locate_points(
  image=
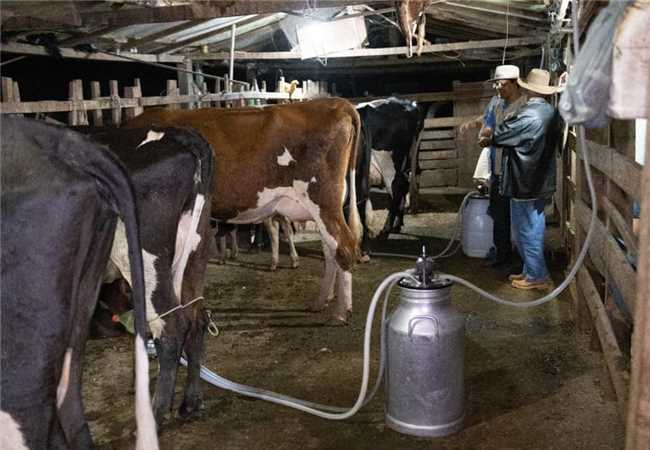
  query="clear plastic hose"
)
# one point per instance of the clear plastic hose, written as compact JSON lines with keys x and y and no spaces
{"x":324,"y":411}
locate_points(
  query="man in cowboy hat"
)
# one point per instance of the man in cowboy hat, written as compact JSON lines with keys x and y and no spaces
{"x":506,"y":103}
{"x":529,"y":139}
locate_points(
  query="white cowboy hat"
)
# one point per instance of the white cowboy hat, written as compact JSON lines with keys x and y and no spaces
{"x":538,"y":80}
{"x":505,"y":72}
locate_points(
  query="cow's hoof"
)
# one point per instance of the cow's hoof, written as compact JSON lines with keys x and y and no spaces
{"x":295,"y":264}
{"x":273,"y":268}
{"x":364,"y":259}
{"x":337,"y":321}
{"x":189,"y":408}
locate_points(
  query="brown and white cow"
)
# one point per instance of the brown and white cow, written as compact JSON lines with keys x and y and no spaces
{"x":287,"y":159}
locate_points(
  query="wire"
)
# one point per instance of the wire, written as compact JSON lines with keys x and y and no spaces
{"x":503,"y":58}
{"x":18,"y":58}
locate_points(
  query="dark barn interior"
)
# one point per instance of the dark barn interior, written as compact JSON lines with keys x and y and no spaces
{"x":571,"y":373}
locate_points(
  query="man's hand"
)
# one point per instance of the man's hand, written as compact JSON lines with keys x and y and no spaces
{"x":474,"y":123}
{"x":484,"y":136}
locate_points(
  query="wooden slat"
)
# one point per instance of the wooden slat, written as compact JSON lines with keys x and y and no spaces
{"x":619,"y":168}
{"x":438,"y":177}
{"x":442,"y":154}
{"x":439,"y":164}
{"x":430,"y":96}
{"x":442,"y":122}
{"x":607,"y":256}
{"x":447,"y":190}
{"x":437,"y":134}
{"x":621,"y":225}
{"x":438,"y":144}
{"x":614,"y":358}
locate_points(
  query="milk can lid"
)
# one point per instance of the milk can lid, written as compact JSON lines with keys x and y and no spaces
{"x":433,"y":284}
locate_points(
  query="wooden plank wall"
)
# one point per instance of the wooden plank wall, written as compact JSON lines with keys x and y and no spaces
{"x":446,"y":157}
{"x":605,"y":292}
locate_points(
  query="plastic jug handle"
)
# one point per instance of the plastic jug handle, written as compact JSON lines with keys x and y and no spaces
{"x":415,"y":319}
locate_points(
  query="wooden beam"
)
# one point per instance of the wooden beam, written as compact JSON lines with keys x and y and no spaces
{"x":208,"y":10}
{"x":374,"y":52}
{"x":28,"y":49}
{"x":50,"y":106}
{"x":614,"y":359}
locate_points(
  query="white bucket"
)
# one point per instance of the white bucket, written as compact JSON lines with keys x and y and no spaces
{"x":476,"y":238}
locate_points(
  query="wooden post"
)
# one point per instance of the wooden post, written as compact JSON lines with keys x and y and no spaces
{"x":638,"y":419}
{"x":116,"y":110}
{"x":129,"y":113}
{"x":95,"y":93}
{"x":16,"y":98}
{"x":204,"y":89}
{"x":185,"y":82}
{"x":172,"y":90}
{"x":218,"y":88}
{"x":75,"y":92}
{"x":137,"y":94}
{"x":7,"y":89}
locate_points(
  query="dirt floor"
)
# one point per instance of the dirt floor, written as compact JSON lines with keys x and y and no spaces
{"x":532,"y":381}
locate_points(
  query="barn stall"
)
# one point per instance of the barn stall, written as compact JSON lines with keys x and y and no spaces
{"x":562,"y":375}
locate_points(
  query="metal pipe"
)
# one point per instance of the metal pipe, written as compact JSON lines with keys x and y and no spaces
{"x":231,"y":68}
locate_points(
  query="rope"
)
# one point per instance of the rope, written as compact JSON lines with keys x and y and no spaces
{"x":160,"y":316}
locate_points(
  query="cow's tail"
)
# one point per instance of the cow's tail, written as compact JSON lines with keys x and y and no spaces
{"x":114,"y":181}
{"x":354,"y":220}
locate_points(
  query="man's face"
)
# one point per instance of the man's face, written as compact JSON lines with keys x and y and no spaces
{"x":507,"y":89}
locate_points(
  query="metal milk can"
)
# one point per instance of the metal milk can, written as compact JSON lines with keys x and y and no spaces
{"x":425,"y":353}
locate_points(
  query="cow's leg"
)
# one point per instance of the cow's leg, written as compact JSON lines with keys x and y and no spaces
{"x":168,"y":349}
{"x":328,"y":280}
{"x":193,"y":284}
{"x":221,"y":245}
{"x":400,"y":187}
{"x":272,"y":228}
{"x":343,"y":305}
{"x":193,"y":347}
{"x":234,"y":254}
{"x":285,"y":223}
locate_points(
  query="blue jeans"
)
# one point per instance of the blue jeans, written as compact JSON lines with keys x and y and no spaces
{"x":528,"y":225}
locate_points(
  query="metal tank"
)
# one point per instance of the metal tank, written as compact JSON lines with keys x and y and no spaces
{"x":425,"y":353}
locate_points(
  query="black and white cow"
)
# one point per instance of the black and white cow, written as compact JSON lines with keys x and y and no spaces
{"x":61,"y":196}
{"x":171,"y":169}
{"x":389,"y":125}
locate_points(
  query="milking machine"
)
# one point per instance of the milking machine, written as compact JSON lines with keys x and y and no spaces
{"x":421,"y":343}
